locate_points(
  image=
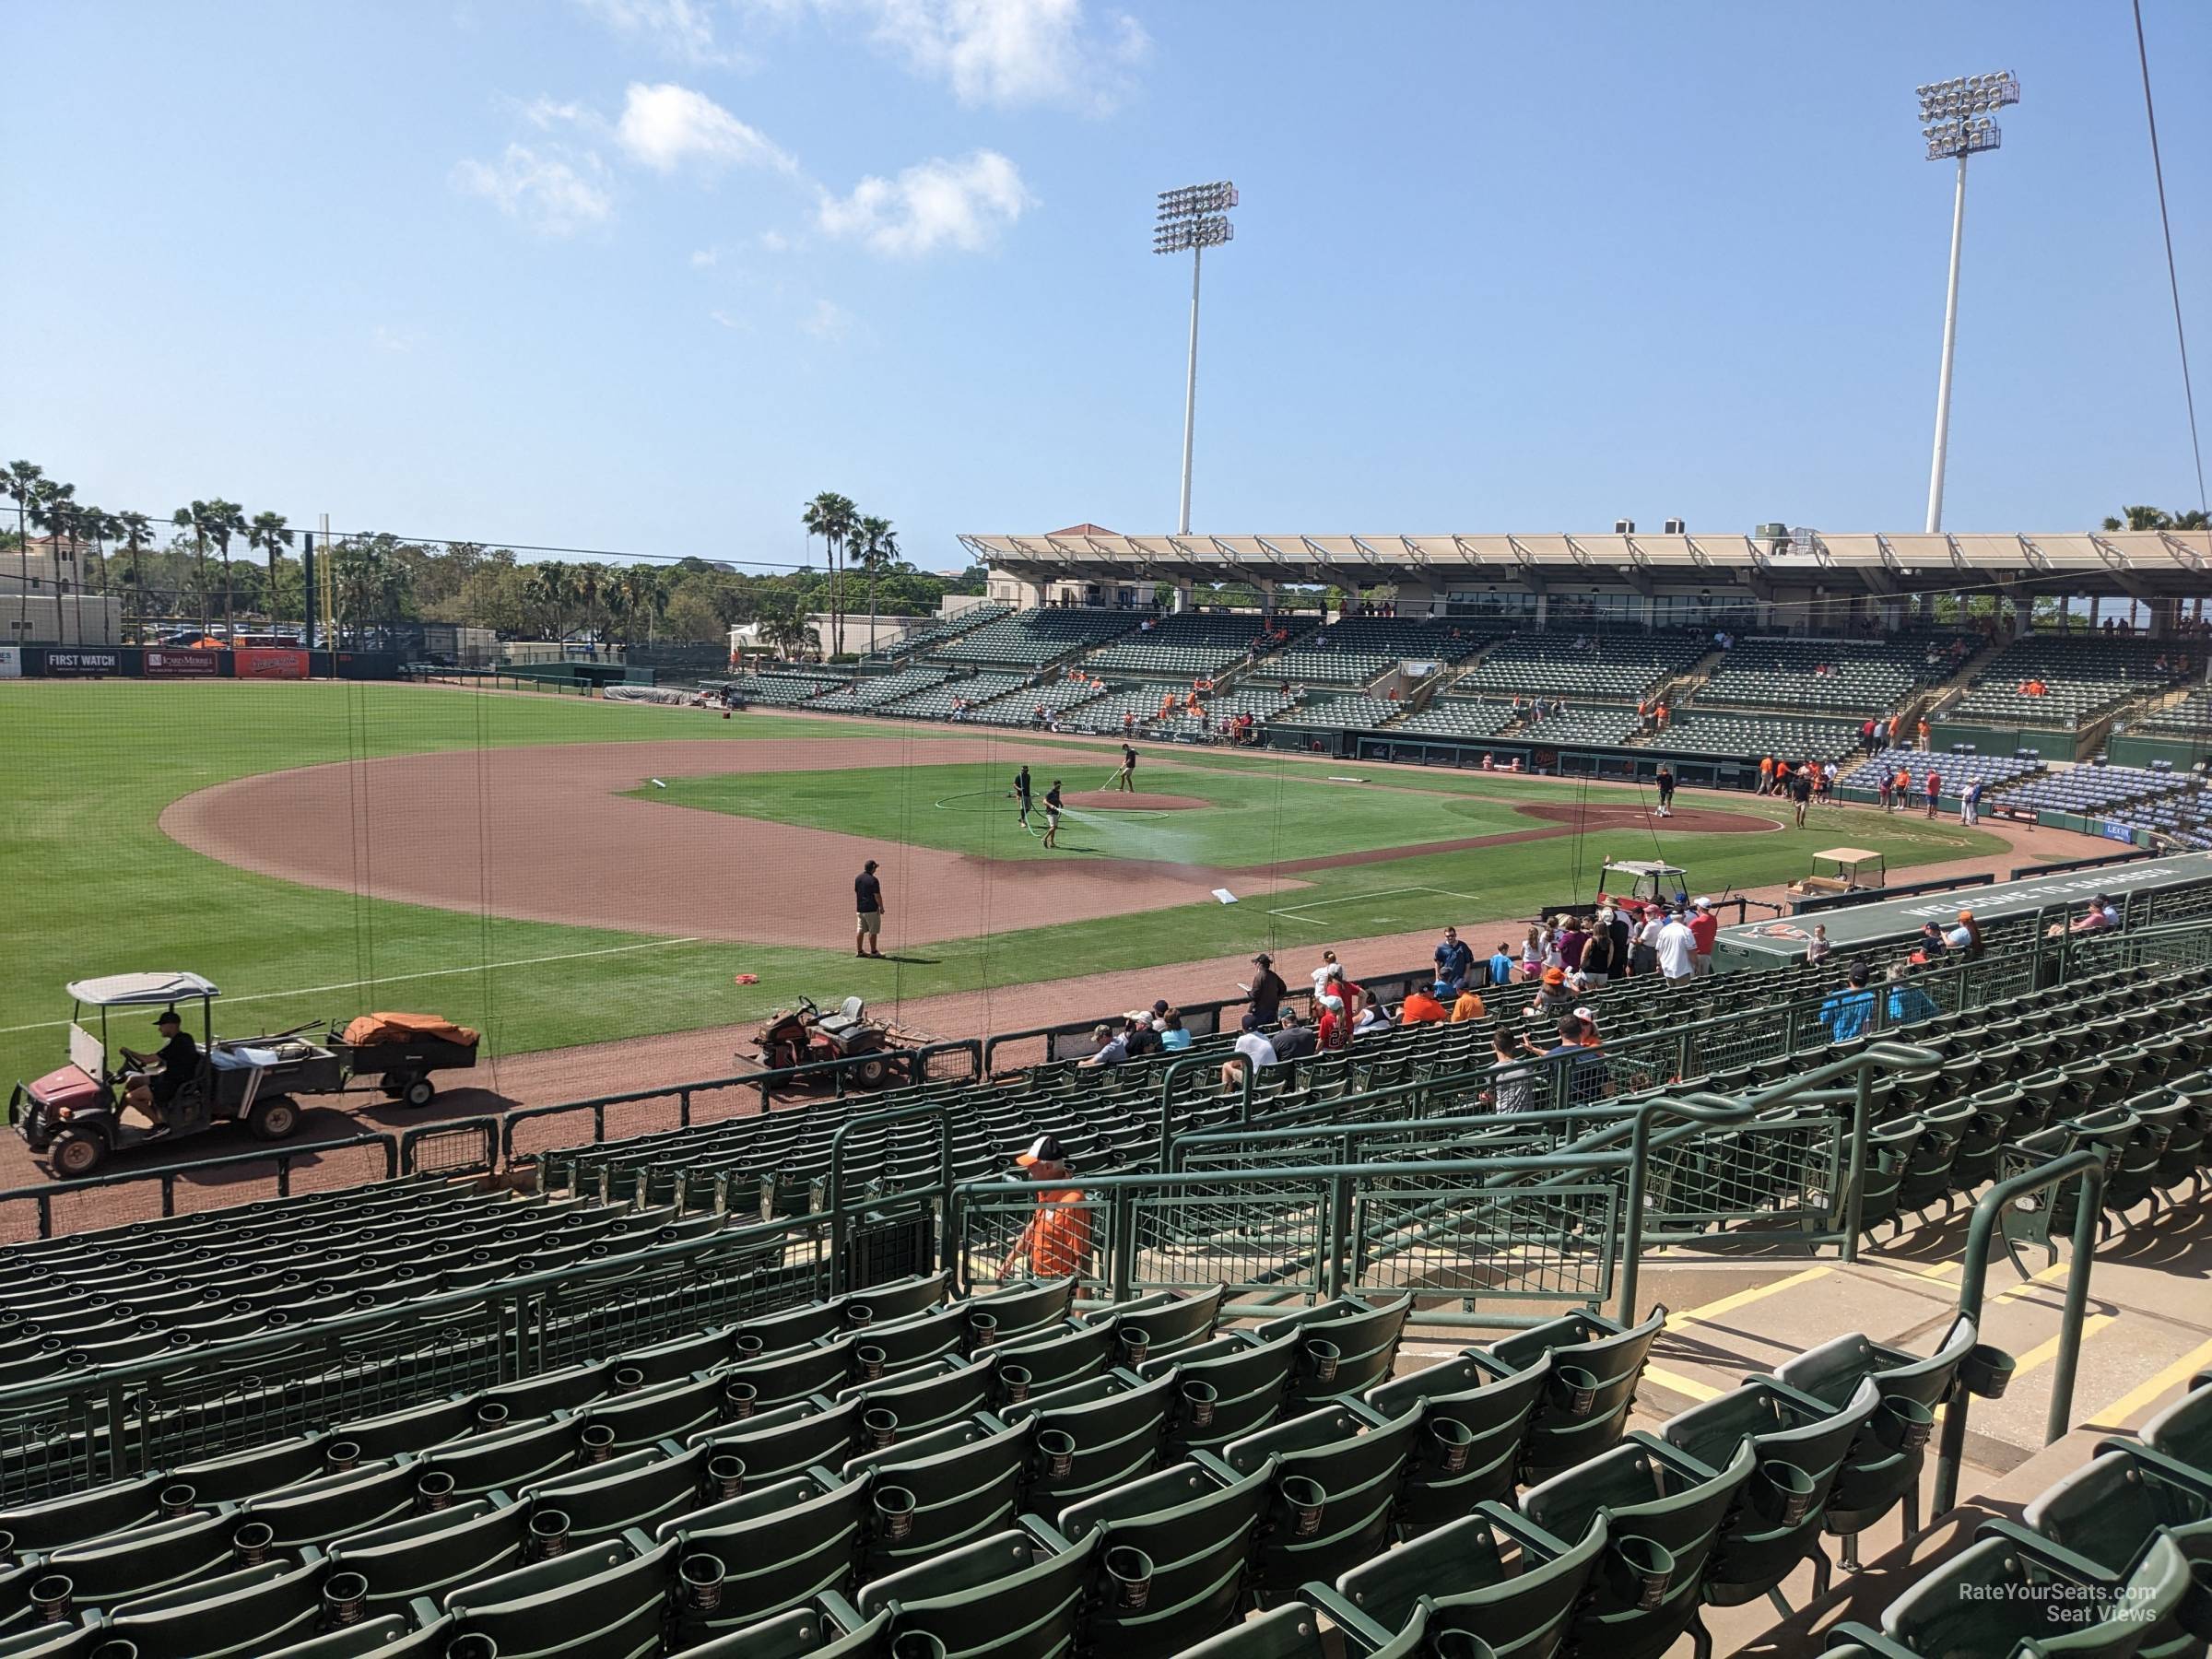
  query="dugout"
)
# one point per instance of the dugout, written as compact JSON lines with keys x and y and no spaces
{"x":2149,"y":891}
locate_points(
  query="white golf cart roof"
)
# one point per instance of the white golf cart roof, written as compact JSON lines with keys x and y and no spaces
{"x":1643,"y":866}
{"x":140,"y":990}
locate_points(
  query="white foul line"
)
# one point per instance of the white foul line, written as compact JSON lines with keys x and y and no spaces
{"x":1292,"y":910}
{"x":393,"y":979}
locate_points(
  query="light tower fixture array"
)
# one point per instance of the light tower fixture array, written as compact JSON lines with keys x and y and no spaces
{"x":1958,"y":116}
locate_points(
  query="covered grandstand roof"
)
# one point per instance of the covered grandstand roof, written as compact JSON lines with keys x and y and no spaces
{"x":2136,"y":564}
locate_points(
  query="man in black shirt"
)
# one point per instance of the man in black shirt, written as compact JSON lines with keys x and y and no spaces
{"x":179,"y":1062}
{"x":1021,"y":796}
{"x":868,"y":906}
{"x":1268,"y":989}
{"x":1126,"y":777}
{"x":1294,"y":1041}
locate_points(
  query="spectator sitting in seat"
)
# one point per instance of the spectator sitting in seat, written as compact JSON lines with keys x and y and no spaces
{"x":1252,"y":1050}
{"x":1371,"y":1015}
{"x":1173,"y":1038}
{"x":1511,"y":1085}
{"x":1555,"y":998}
{"x":1424,"y":1005}
{"x":1467,"y":1005}
{"x":1907,"y":1003}
{"x":1295,"y":1040}
{"x":1114,"y":1045}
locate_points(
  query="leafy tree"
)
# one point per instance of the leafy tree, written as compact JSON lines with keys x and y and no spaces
{"x":877,"y":545}
{"x":268,"y":534}
{"x":19,"y":483}
{"x":216,"y":521}
{"x":131,"y":528}
{"x":2154,"y":518}
{"x":54,"y":509}
{"x":832,"y":517}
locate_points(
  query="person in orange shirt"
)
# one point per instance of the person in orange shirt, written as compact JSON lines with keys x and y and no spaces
{"x":1466,"y":1007}
{"x":1424,"y":1005}
{"x":1766,"y":774}
{"x":1902,"y":784}
{"x":1922,"y":731}
{"x":1058,"y":1239}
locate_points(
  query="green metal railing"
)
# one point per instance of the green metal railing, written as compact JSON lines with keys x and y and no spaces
{"x":281,"y":1161}
{"x":2087,"y":1165}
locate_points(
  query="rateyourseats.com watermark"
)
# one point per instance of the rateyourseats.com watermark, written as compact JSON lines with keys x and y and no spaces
{"x":2073,"y":1604}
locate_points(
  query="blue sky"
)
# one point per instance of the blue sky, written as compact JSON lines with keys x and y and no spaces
{"x":644,"y":274}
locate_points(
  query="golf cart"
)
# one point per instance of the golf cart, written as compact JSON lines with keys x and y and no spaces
{"x":1643,"y":881}
{"x":75,"y":1114}
{"x":1842,"y":870}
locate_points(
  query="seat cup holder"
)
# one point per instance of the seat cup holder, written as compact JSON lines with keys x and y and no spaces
{"x":894,"y":1513}
{"x":345,"y":1599}
{"x":1640,"y":1569}
{"x":1136,"y":1342}
{"x":51,"y":1599}
{"x":870,"y":1360}
{"x":916,"y":1645}
{"x":725,"y":1474}
{"x":1987,"y":1371}
{"x":701,"y":1576}
{"x":116,"y":1648}
{"x":434,"y":1491}
{"x":492,"y":1414}
{"x":1576,"y":1389}
{"x":1056,"y":1447}
{"x":1322,"y":1361}
{"x":548,"y":1535}
{"x":859,"y":1313}
{"x":1902,"y":1423}
{"x":342,"y":1455}
{"x":1450,"y":1444}
{"x":596,"y":1443}
{"x":253,"y":1542}
{"x":1199,"y":1399}
{"x":878,"y":1427}
{"x":1460,"y":1644}
{"x":1013,"y":1383}
{"x":982,"y":1329}
{"x":179,"y":1500}
{"x":629,"y":1380}
{"x":1305,"y":1500}
{"x":472,"y":1646}
{"x":750,"y":1346}
{"x":739,"y":1400}
{"x":1130,"y":1573}
{"x":1784,"y":1493}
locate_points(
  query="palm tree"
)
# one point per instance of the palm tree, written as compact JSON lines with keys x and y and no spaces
{"x":786,"y":628}
{"x":832,"y":517}
{"x":267,"y":532}
{"x":199,"y":518}
{"x":54,"y":509}
{"x":877,"y":543}
{"x":549,"y":590}
{"x":589,"y":580}
{"x":131,"y":528}
{"x":646,"y":593}
{"x":19,"y":483}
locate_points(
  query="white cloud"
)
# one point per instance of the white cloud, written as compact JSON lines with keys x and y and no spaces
{"x":728,"y":321}
{"x":703,"y":258}
{"x":682,"y":29}
{"x":544,"y":190}
{"x":666,"y":126}
{"x":1013,"y":51}
{"x":397,"y":341}
{"x":962,"y":204}
{"x":775,"y":241}
{"x":826,"y":320}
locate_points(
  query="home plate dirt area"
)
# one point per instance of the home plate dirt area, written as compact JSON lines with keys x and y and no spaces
{"x":549,"y":833}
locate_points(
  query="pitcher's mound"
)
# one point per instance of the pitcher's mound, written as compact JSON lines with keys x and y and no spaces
{"x":1117,"y":800}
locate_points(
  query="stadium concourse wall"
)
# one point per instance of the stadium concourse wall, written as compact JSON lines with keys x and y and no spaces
{"x":1611,"y":765}
{"x":157,"y":662}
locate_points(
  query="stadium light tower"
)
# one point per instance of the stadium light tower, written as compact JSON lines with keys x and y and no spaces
{"x":1958,"y":119}
{"x":1195,"y":217}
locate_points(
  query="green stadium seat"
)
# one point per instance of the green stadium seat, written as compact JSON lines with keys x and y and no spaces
{"x":1091,"y":1446}
{"x":1249,"y":1382}
{"x":2184,"y":1431}
{"x":1196,"y":1535}
{"x":1293,"y":1632}
{"x":1595,"y":1367}
{"x":238,"y":1614}
{"x":433,"y":1554}
{"x":1041,"y":1362}
{"x":602,"y":1601}
{"x":1663,"y":1513}
{"x":333,"y":1505}
{"x":927,"y":1398}
{"x":942,"y":1491}
{"x":1345,"y":1347}
{"x":778,"y":1548}
{"x":671,"y":1411}
{"x":1475,"y":1431}
{"x":997,"y":1597}
{"x":1166,"y":1323}
{"x":391,"y":1637}
{"x":1461,"y":1569}
{"x":507,"y":1459}
{"x":1335,"y":1497}
{"x":146,"y":1561}
{"x":1800,"y":1448}
{"x":57,"y":1522}
{"x":639,"y":1489}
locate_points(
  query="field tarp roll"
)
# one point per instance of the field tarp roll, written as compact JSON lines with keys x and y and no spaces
{"x":1757,"y":945}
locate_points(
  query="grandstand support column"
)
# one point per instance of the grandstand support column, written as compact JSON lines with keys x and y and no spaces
{"x":1950,"y":341}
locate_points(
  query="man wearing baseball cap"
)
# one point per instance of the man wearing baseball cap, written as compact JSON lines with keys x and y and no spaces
{"x":1268,"y":989}
{"x":1058,"y":1239}
{"x":1704,"y":927}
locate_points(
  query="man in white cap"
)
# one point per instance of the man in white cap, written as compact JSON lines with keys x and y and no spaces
{"x":1704,"y":927}
{"x":1253,"y":1052}
{"x":1058,"y":1239}
{"x":1678,"y":949}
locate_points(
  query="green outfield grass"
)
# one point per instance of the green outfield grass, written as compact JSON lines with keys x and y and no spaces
{"x":94,"y":887}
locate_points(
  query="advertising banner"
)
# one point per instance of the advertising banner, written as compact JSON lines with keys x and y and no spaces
{"x":11,"y":662}
{"x":182,"y":664}
{"x":270,"y":662}
{"x":83,"y":664}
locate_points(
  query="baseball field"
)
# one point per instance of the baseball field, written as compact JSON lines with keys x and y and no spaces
{"x":559,"y":871}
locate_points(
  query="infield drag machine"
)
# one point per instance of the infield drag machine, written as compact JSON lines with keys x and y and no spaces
{"x":74,"y":1114}
{"x":805,"y":1036}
